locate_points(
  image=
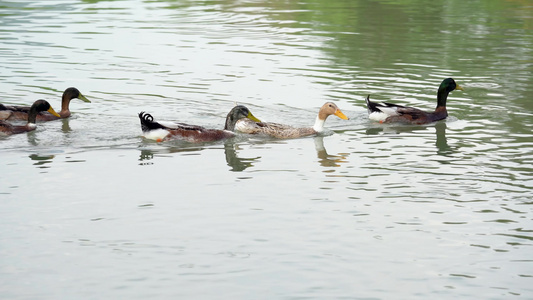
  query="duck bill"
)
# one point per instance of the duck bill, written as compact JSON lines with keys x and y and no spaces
{"x":458,"y":87}
{"x":251,"y":117}
{"x":339,"y":114}
{"x":53,"y":112}
{"x":83,"y":98}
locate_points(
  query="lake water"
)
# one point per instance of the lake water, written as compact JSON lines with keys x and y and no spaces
{"x":90,"y":210}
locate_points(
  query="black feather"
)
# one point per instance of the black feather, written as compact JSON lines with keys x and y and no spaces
{"x":147,"y":122}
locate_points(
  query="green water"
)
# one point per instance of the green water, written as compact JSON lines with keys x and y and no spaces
{"x":90,"y":210}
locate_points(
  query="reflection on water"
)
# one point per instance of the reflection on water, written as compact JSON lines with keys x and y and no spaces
{"x":442,"y":142}
{"x":146,"y":154}
{"x":65,"y":127}
{"x":325,"y":159}
{"x":237,"y":163}
{"x":42,"y":160}
{"x":232,"y":149}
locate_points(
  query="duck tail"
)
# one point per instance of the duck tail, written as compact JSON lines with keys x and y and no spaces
{"x":371,"y":106}
{"x":147,"y":122}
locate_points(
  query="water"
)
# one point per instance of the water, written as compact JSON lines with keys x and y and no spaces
{"x":368,"y":211}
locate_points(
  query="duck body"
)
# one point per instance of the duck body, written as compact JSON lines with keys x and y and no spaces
{"x":14,"y":112}
{"x":280,"y":131}
{"x":160,"y":131}
{"x":283,"y":131}
{"x":37,"y":107}
{"x":386,"y":112}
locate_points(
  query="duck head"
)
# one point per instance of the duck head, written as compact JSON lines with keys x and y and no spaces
{"x":38,"y":106}
{"x":237,"y":113}
{"x":329,"y":108}
{"x":449,"y":85}
{"x":72,"y":93}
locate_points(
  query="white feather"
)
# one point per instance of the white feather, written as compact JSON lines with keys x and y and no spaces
{"x":378,"y":116}
{"x":319,"y":125}
{"x":389,"y":110}
{"x":246,"y":126}
{"x":156,"y":134}
{"x":385,"y":112}
{"x":168,"y":124}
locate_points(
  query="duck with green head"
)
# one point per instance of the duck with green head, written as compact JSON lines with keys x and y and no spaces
{"x":13,"y":112}
{"x":38,"y":106}
{"x":392,"y":113}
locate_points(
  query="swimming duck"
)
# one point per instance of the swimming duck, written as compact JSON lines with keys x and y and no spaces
{"x":282,"y":131}
{"x":391,"y":113}
{"x":38,"y":106}
{"x":21,"y":112}
{"x":160,"y":131}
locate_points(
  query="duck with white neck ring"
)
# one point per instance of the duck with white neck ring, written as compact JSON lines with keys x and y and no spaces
{"x":38,"y":106}
{"x":282,"y":131}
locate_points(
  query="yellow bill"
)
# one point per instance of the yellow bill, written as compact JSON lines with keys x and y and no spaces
{"x":251,"y":117}
{"x":458,"y":87}
{"x":53,"y":112}
{"x":83,"y":98}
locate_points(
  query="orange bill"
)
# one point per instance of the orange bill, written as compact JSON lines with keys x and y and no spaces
{"x":339,"y":114}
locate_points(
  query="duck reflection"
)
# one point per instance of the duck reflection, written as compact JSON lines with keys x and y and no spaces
{"x":148,"y":154}
{"x":236,"y":163}
{"x":42,"y":161}
{"x":442,"y":142}
{"x":32,"y":139}
{"x":325,"y":159}
{"x":65,"y":127}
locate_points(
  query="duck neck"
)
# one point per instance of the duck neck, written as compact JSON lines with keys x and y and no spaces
{"x":319,"y":124}
{"x":442,"y":95}
{"x":65,"y":112}
{"x":230,"y":124}
{"x":32,"y":115}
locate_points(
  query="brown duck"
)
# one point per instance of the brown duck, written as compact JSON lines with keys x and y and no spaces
{"x":160,"y":131}
{"x":13,"y":112}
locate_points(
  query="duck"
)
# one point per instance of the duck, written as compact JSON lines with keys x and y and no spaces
{"x":385,"y":112}
{"x":21,"y":112}
{"x":161,"y":131}
{"x":38,"y":106}
{"x":282,"y":131}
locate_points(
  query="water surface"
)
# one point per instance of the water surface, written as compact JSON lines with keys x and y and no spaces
{"x":365,"y":211}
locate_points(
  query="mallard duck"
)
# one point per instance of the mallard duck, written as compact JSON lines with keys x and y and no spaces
{"x":13,"y":112}
{"x":282,"y":131}
{"x":38,"y":106}
{"x":391,"y":113}
{"x":160,"y":131}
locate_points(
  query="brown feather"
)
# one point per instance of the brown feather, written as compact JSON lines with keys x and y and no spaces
{"x":200,"y":134}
